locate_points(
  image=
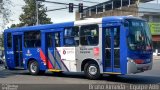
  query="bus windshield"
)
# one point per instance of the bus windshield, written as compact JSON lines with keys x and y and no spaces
{"x":139,"y":37}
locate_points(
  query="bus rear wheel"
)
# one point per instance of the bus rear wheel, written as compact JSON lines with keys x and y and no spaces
{"x":92,"y":71}
{"x":34,"y":68}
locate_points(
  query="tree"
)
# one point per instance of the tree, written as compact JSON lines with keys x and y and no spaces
{"x":5,"y":13}
{"x":28,"y":17}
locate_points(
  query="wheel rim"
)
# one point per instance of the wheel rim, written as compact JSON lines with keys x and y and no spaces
{"x":33,"y":67}
{"x":92,"y":70}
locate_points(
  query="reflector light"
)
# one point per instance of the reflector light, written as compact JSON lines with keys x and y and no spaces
{"x":138,"y":61}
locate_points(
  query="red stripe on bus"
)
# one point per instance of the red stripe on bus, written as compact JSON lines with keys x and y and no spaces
{"x":45,"y":60}
{"x":49,"y":65}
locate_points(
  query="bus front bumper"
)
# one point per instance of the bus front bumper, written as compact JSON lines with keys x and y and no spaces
{"x":133,"y":68}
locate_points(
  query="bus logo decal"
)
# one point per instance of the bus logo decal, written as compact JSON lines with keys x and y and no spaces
{"x":64,"y":52}
{"x":28,"y":53}
{"x":10,"y":52}
{"x":38,"y":50}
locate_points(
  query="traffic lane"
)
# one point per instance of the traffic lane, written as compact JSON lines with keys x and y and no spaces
{"x":23,"y":77}
{"x":155,"y":69}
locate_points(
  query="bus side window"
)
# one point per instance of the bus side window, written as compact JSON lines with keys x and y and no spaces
{"x":71,"y":36}
{"x":49,"y":40}
{"x":89,"y":35}
{"x":116,"y":31}
{"x":116,"y":36}
{"x":32,"y":39}
{"x":57,"y":39}
{"x":9,"y":40}
{"x":108,"y":37}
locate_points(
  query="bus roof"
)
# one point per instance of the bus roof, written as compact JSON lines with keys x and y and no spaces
{"x":70,"y":24}
{"x":40,"y":27}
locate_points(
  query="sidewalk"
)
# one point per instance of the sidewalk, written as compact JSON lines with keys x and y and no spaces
{"x":156,"y":57}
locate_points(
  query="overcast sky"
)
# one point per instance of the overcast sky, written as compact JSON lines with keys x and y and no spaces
{"x":56,"y":16}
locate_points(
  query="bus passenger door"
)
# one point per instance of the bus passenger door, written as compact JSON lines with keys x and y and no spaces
{"x":112,"y":49}
{"x":53,"y":41}
{"x":18,"y":58}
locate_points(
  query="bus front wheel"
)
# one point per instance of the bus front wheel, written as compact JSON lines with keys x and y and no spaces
{"x":34,"y":68}
{"x":92,"y":71}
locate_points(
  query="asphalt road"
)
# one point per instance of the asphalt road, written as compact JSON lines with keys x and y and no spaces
{"x":23,"y":77}
{"x":22,"y":80}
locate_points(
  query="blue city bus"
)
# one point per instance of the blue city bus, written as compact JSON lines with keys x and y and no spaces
{"x":110,"y":45}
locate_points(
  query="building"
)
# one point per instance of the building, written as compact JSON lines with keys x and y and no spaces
{"x":112,"y":8}
{"x":138,"y":8}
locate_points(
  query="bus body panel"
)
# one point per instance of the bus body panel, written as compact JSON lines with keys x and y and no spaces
{"x":123,"y":50}
{"x":33,"y":54}
{"x":29,"y":53}
{"x":137,"y":68}
{"x":41,"y":27}
{"x":8,"y":53}
{"x":67,"y":63}
{"x":71,"y":58}
{"x":52,"y":55}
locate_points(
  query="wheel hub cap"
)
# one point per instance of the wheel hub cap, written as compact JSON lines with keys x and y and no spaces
{"x":33,"y":67}
{"x":92,"y":70}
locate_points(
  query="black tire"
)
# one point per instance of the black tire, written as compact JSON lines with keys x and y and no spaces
{"x":34,"y":68}
{"x":90,"y":75}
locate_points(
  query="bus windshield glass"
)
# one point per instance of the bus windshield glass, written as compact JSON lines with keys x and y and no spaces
{"x":139,"y":37}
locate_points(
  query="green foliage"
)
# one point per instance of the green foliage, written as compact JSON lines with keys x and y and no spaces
{"x":28,"y":17}
{"x":5,"y":13}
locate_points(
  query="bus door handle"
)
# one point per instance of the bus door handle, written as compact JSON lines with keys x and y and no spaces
{"x":107,"y":48}
{"x":116,"y":48}
{"x":18,"y":51}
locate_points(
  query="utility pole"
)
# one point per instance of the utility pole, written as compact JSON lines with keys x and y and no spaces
{"x":37,"y":10}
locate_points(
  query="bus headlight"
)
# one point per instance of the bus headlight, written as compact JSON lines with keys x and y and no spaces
{"x":129,"y":59}
{"x":136,"y":61}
